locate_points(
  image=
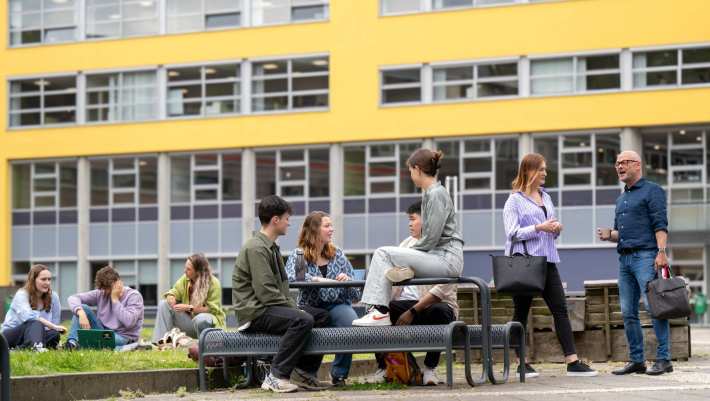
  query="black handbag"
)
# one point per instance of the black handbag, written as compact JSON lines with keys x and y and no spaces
{"x":668,"y":297}
{"x":519,"y":274}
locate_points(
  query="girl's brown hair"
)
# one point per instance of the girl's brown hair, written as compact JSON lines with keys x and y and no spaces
{"x":201,"y":285}
{"x":309,"y":236}
{"x":429,"y":161}
{"x":527,"y":172}
{"x":31,"y":289}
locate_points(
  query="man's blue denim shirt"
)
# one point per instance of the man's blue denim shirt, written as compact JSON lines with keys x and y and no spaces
{"x":640,"y":212}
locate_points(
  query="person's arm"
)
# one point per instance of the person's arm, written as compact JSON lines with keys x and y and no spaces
{"x":213,"y":303}
{"x":263,"y":281}
{"x":129,"y":313}
{"x":659,"y":223}
{"x":511,"y":222}
{"x":424,"y":302}
{"x":90,"y":298}
{"x":56,"y":309}
{"x":434,"y":214}
{"x":176,"y":294}
{"x":21,"y":305}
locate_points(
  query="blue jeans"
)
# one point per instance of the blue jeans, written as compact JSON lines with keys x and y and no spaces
{"x":636,"y":270}
{"x":341,"y":315}
{"x":95,"y":324}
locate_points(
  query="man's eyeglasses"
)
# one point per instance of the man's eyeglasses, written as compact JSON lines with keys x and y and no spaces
{"x":624,"y":162}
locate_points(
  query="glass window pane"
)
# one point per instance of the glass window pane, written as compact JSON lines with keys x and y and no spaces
{"x":477,"y":165}
{"x":693,"y":56}
{"x":449,"y":92}
{"x":209,"y":177}
{"x":576,"y":141}
{"x":99,"y":182}
{"x":577,"y":179}
{"x":453,"y":73}
{"x":439,"y":4}
{"x":687,"y":137}
{"x":497,"y":70}
{"x":558,"y":66}
{"x":406,"y":186}
{"x":274,"y":67}
{"x":21,"y":176}
{"x":477,"y":145}
{"x":656,"y":59}
{"x":506,"y":162}
{"x":318,"y":172}
{"x":450,"y":162}
{"x":687,"y":157}
{"x":400,"y":6}
{"x":124,"y":180}
{"x":45,"y":201}
{"x":507,"y":88}
{"x":292,"y":190}
{"x":226,"y":20}
{"x":271,"y":11}
{"x":310,"y":65}
{"x":293,"y":173}
{"x":306,"y":101}
{"x":231,"y":176}
{"x":148,"y":180}
{"x":206,"y":159}
{"x":383,"y":169}
{"x":309,"y":13}
{"x":292,"y":155}
{"x":599,"y":82}
{"x":180,"y":179}
{"x":269,"y":103}
{"x":405,"y":76}
{"x":382,"y":187}
{"x":657,"y":78}
{"x":576,"y":160}
{"x":354,"y":180}
{"x":401,"y":95}
{"x":688,"y":177}
{"x":477,"y":183}
{"x":655,"y":157}
{"x":605,"y":62}
{"x":45,"y":168}
{"x":382,"y":150}
{"x":124,"y":198}
{"x":205,"y":194}
{"x":44,"y":184}
{"x":265,"y":174}
{"x":67,"y":184}
{"x":696,"y":76}
{"x":548,"y":148}
{"x":608,"y":148}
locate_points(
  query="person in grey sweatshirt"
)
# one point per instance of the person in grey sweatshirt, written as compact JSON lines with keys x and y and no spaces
{"x":119,"y":308}
{"x":438,"y":253}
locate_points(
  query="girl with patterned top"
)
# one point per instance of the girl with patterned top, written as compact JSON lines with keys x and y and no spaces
{"x":324,"y":261}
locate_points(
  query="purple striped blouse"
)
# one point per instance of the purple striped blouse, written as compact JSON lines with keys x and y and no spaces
{"x":520,"y":215}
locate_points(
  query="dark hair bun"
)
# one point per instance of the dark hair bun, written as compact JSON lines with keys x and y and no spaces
{"x":436,"y":157}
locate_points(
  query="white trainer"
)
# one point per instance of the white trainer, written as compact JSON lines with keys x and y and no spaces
{"x":378,"y":377}
{"x":373,"y":318}
{"x":430,"y":377}
{"x":272,"y":383}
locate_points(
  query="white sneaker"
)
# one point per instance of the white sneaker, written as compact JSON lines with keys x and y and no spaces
{"x":378,"y":377}
{"x":39,"y":347}
{"x":272,"y":383}
{"x":430,"y":378}
{"x":373,"y":318}
{"x":398,"y":274}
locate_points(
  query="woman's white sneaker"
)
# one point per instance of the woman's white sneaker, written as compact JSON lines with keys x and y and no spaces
{"x":273,"y":383}
{"x":373,"y":318}
{"x":430,"y":377}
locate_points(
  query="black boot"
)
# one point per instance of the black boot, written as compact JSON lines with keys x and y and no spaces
{"x":631,"y":367}
{"x":660,"y":367}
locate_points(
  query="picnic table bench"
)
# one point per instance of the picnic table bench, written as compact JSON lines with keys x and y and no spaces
{"x":420,"y":338}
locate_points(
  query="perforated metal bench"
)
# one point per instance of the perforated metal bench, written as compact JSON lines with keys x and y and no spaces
{"x":333,"y":340}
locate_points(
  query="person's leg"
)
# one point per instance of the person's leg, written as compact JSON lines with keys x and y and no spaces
{"x":439,"y":313}
{"x":163,"y":320}
{"x":645,"y":272}
{"x":554,"y":296}
{"x":74,"y":328}
{"x":120,"y":340}
{"x":294,"y":326}
{"x":521,"y":304}
{"x":321,"y":318}
{"x":341,"y":315}
{"x":51,"y":339}
{"x":33,"y":334}
{"x":398,"y":307}
{"x":202,"y":321}
{"x":15,"y":336}
{"x":629,"y":294}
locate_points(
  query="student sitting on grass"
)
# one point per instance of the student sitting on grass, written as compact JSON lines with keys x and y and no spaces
{"x":33,"y":318}
{"x":193,"y":304}
{"x":119,"y":308}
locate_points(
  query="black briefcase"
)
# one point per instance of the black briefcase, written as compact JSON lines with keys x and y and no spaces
{"x":519,"y":274}
{"x":668,"y":297}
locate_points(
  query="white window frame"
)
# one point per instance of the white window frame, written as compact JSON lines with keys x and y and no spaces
{"x":203,"y":81}
{"x":194,"y":187}
{"x":204,"y":15}
{"x":575,"y":75}
{"x":426,"y":6}
{"x":113,"y":171}
{"x":687,"y":168}
{"x":387,"y":87}
{"x":45,"y":194}
{"x":42,"y":28}
{"x":122,"y":21}
{"x":43,"y":93}
{"x":475,"y":79}
{"x":293,"y":5}
{"x":279,"y":183}
{"x":289,"y":76}
{"x":120,"y":90}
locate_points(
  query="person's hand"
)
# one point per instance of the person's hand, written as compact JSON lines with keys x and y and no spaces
{"x":60,"y":329}
{"x":342,"y":277}
{"x":604,"y":234}
{"x":182,"y":307}
{"x":170,"y":299}
{"x":557,"y":227}
{"x":548,"y":226}
{"x":116,"y":290}
{"x":661,"y":260}
{"x":83,"y":320}
{"x":405,"y":319}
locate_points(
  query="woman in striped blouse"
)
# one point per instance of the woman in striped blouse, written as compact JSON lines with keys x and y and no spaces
{"x":531,"y":225}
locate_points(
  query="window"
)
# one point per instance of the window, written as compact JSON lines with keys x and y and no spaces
{"x":121,"y":18}
{"x":575,"y":74}
{"x":43,"y":21}
{"x":671,"y":67}
{"x":400,"y":6}
{"x":475,"y":81}
{"x":412,"y":6}
{"x":206,"y":177}
{"x":124,"y":181}
{"x":293,"y":173}
{"x":379,"y":169}
{"x":123,"y":96}
{"x":199,"y":15}
{"x":43,"y":101}
{"x":402,"y":85}
{"x":267,"y":12}
{"x":204,"y":90}
{"x":44,"y":185}
{"x":290,"y":84}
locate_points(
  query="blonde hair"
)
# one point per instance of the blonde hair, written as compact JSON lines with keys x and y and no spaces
{"x":203,"y":281}
{"x":530,"y":163}
{"x":308,"y":238}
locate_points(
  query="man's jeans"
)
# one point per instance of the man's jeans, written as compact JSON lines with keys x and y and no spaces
{"x":95,"y":324}
{"x":636,"y":270}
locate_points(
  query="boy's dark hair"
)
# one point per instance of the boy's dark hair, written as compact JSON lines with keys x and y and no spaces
{"x":105,"y":278}
{"x":271,"y":206}
{"x":415,"y":208}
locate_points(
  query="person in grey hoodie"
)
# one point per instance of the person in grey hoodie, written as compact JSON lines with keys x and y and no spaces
{"x":437,"y":253}
{"x":119,"y":308}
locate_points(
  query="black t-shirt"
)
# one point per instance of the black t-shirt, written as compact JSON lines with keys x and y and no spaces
{"x":323,"y":270}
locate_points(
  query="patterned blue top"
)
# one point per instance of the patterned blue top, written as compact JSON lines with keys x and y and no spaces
{"x":324,"y":296}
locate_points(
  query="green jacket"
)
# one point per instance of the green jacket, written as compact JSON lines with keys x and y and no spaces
{"x":214,"y":298}
{"x":259,"y":279}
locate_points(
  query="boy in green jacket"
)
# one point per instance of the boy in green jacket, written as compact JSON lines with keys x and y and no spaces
{"x":263,"y":305}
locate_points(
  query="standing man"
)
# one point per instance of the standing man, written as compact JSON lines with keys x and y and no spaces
{"x":641,"y":231}
{"x":263,"y":305}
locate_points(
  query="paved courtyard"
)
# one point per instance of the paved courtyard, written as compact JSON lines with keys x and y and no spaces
{"x":690,"y":381}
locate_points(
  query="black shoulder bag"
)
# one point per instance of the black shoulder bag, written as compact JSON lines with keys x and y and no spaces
{"x":519,"y":274}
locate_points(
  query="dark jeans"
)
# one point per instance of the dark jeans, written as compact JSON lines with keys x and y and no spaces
{"x":294,"y":326}
{"x":30,"y":333}
{"x":554,"y":296}
{"x":439,"y":313}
